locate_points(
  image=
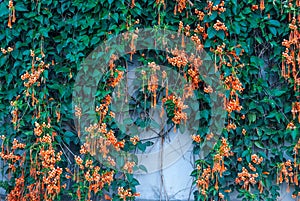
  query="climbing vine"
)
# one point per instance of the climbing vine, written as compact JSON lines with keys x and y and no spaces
{"x":254,"y":46}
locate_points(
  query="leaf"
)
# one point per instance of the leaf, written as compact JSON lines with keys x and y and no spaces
{"x":69,"y":134}
{"x":142,"y":146}
{"x":143,"y":168}
{"x":67,"y":140}
{"x":4,"y":10}
{"x":220,"y":34}
{"x":87,"y":90}
{"x":247,"y":10}
{"x":213,"y":15}
{"x":208,"y":43}
{"x":20,"y":7}
{"x":275,"y":23}
{"x":205,"y":114}
{"x":211,"y":32}
{"x":262,"y":154}
{"x":236,"y":28}
{"x":272,"y":114}
{"x":272,"y":30}
{"x":198,"y":115}
{"x":245,"y":153}
{"x":115,"y":16}
{"x":251,"y":117}
{"x":259,"y":40}
{"x":259,"y":144}
{"x":294,"y":133}
{"x":58,"y":139}
{"x":278,"y":92}
{"x":256,"y":61}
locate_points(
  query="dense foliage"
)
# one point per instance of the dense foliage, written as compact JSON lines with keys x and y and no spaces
{"x":254,"y":46}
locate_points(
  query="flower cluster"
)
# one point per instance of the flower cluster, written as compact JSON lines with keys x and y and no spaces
{"x":78,"y":112}
{"x":208,"y":174}
{"x":233,"y":105}
{"x":17,"y":192}
{"x":153,"y":81}
{"x":233,"y":83}
{"x":134,"y":139}
{"x":89,"y":172}
{"x":180,"y":58}
{"x":12,"y":158}
{"x":10,"y":155}
{"x":296,"y":110}
{"x":195,"y":77}
{"x":181,"y":5}
{"x":220,"y":26}
{"x":102,"y":110}
{"x":4,"y":51}
{"x":199,"y":14}
{"x":114,"y":81}
{"x":291,"y":55}
{"x":203,"y":180}
{"x":102,"y":139}
{"x":288,"y":174}
{"x":197,"y":41}
{"x":111,"y":63}
{"x":224,"y":151}
{"x":196,"y":138}
{"x":124,"y":194}
{"x":209,"y":7}
{"x":12,"y":14}
{"x":200,"y":30}
{"x":208,"y":89}
{"x":245,"y":178}
{"x":38,"y":130}
{"x":178,"y":106}
{"x":220,"y":7}
{"x":15,"y":114}
{"x":35,"y":77}
{"x":128,"y":167}
{"x":254,"y":7}
{"x":291,"y":126}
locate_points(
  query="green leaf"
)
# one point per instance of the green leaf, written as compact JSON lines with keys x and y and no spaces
{"x":143,"y":168}
{"x":236,"y":28}
{"x":259,"y":40}
{"x":247,"y":10}
{"x":272,"y":30}
{"x":87,"y":90}
{"x":278,"y":92}
{"x":20,"y":7}
{"x":67,"y":140}
{"x":245,"y":153}
{"x":213,"y":15}
{"x":251,"y":117}
{"x":294,"y":134}
{"x":69,"y":134}
{"x":259,"y":144}
{"x":211,"y":32}
{"x":127,"y":121}
{"x":256,"y":61}
{"x":4,"y":9}
{"x":142,"y":146}
{"x":275,"y":23}
{"x":115,"y":16}
{"x":220,"y":34}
